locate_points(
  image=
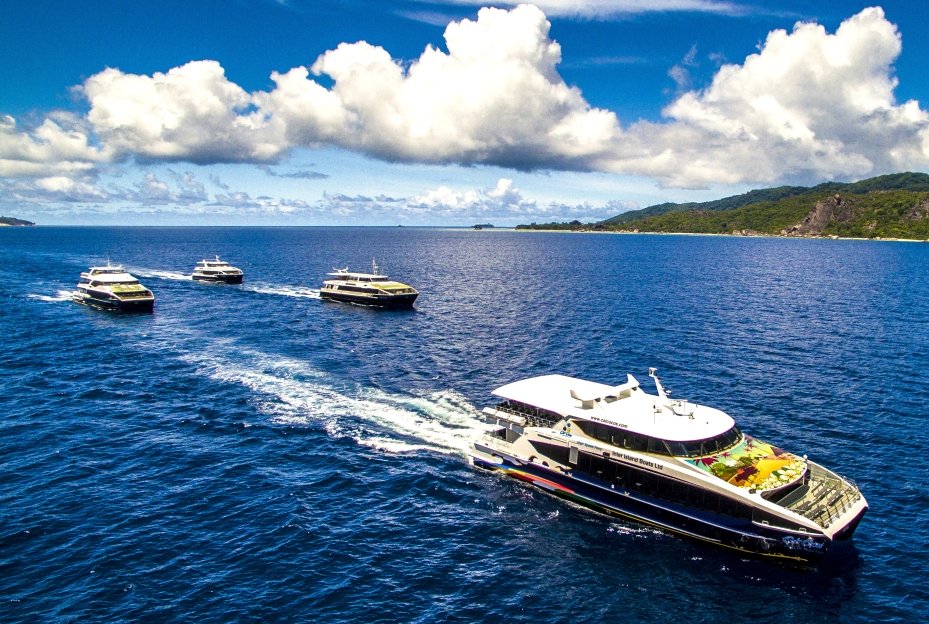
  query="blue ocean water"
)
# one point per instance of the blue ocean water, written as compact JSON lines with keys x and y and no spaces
{"x":254,"y":454}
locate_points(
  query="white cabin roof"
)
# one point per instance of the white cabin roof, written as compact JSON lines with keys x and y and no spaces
{"x":626,"y":406}
{"x":344,"y":274}
{"x":109,"y":274}
{"x":110,"y":268}
{"x":215,"y":263}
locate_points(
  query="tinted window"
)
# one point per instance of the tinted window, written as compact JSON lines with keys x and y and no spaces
{"x":551,"y":451}
{"x":655,"y":485}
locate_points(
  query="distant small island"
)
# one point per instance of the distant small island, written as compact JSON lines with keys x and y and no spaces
{"x":483,"y":226}
{"x":14,"y":221}
{"x":890,"y":206}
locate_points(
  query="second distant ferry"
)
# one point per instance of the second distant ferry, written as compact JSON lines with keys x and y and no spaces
{"x":217,"y":271}
{"x":373,"y":289}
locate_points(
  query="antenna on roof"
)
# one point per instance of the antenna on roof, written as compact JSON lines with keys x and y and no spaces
{"x":679,"y":407}
{"x":653,"y":373}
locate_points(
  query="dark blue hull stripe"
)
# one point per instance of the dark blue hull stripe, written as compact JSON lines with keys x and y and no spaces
{"x":381,"y":301}
{"x":227,"y":279}
{"x":118,"y":306}
{"x":742,"y":535}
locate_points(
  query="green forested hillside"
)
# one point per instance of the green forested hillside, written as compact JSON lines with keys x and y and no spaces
{"x":768,"y":217}
{"x":878,"y":214}
{"x":727,"y":203}
{"x":896,"y":181}
{"x":890,"y":206}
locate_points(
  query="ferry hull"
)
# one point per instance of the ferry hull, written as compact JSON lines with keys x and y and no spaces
{"x":731,"y":533}
{"x":380,"y":301}
{"x":219,"y":279}
{"x":115,"y":305}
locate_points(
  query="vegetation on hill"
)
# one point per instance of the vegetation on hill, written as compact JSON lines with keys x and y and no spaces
{"x":14,"y":221}
{"x":878,"y":214}
{"x":568,"y":225}
{"x":895,"y":181}
{"x":891,"y":206}
{"x":727,"y":203}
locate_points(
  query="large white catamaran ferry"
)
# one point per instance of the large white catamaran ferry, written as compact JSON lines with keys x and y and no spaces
{"x":218,"y":271}
{"x":372,"y":289}
{"x":672,"y":464}
{"x":111,"y":287}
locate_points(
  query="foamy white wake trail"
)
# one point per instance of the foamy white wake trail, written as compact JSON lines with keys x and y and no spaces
{"x":292,"y":392}
{"x":62,"y":295}
{"x":171,"y":275}
{"x":283,"y":291}
{"x":444,"y":419}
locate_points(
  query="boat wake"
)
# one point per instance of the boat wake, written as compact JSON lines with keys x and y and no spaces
{"x":283,"y":291}
{"x":63,"y":295}
{"x":442,"y":421}
{"x":171,"y":275}
{"x":293,"y":393}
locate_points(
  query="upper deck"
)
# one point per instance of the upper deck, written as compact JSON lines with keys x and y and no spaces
{"x":110,"y":274}
{"x":215,"y":264}
{"x":351,"y":276}
{"x":626,"y":406}
{"x":629,"y":418}
{"x":372,"y":282}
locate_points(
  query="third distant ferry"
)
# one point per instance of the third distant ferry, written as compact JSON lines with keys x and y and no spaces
{"x":374,"y":289}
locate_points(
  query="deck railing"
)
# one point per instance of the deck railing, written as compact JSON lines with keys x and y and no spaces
{"x":824,"y":499}
{"x":532,"y":419}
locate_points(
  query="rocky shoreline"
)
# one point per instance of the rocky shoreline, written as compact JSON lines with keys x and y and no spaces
{"x":14,"y":222}
{"x":739,"y":233}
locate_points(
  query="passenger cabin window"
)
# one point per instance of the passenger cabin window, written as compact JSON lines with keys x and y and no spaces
{"x":620,"y":437}
{"x":644,"y":482}
{"x":638,"y":442}
{"x":619,"y":475}
{"x":551,"y":451}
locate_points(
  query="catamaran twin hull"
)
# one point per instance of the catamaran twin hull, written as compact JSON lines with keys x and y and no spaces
{"x":141,"y":305}
{"x":744,"y":536}
{"x":378,"y":300}
{"x":369,"y":289}
{"x":220,"y":278}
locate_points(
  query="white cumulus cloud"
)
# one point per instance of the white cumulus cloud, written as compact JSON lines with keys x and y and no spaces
{"x":63,"y":188}
{"x":495,"y":97}
{"x":60,"y":145}
{"x":503,"y":202}
{"x":602,"y":9}
{"x":809,"y":105}
{"x":504,"y":199}
{"x":192,"y":113}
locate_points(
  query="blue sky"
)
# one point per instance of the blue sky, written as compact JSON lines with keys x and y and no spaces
{"x":418,"y":112}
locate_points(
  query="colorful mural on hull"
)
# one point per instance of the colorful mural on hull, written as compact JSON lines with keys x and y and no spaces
{"x":753,"y":464}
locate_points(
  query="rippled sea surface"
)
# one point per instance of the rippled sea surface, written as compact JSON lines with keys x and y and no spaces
{"x":252,"y":453}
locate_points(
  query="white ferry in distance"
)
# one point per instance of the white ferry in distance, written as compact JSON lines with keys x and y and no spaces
{"x":373,"y":289}
{"x":217,"y":271}
{"x":110,"y":287}
{"x":671,"y":464}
